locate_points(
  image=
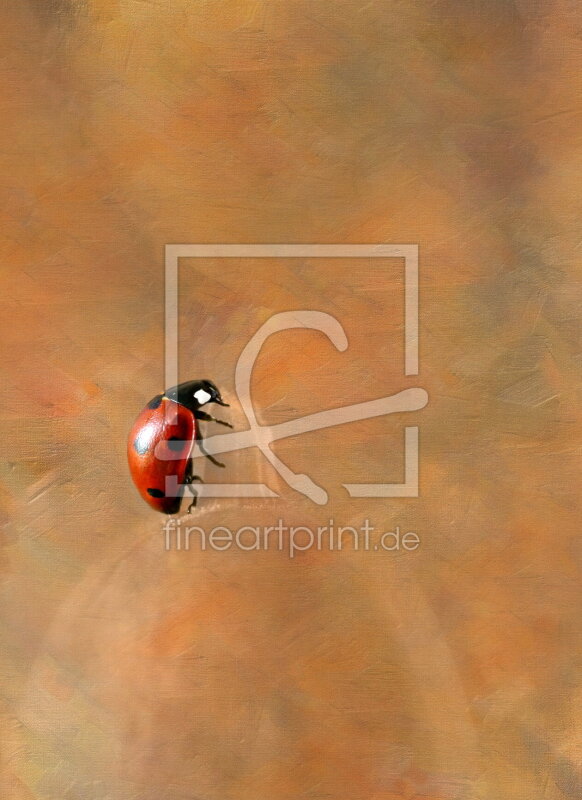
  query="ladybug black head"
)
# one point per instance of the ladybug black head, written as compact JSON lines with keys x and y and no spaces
{"x":195,"y":394}
{"x":206,"y":392}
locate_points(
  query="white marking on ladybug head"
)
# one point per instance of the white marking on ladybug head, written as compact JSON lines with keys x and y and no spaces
{"x":202,"y":396}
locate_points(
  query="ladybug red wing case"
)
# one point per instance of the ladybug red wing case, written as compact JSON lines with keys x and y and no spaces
{"x":152,"y":436}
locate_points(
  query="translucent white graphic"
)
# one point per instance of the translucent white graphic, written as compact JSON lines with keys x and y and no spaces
{"x":262,"y":436}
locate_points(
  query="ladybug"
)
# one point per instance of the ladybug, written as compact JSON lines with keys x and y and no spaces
{"x":159,"y":447}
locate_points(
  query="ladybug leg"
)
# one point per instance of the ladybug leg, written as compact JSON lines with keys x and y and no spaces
{"x":189,"y":479}
{"x":200,"y":440}
{"x":194,"y":501}
{"x":207,"y":418}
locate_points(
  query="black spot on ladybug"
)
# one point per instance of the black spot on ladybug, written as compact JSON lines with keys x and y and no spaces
{"x":175,"y":444}
{"x":156,"y":493}
{"x":155,"y":402}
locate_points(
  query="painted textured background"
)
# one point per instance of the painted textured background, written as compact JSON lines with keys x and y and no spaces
{"x":451,"y":673}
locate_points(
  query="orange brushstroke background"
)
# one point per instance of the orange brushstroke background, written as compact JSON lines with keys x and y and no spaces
{"x":450,"y":673}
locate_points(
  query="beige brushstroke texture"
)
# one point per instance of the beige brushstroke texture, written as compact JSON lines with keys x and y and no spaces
{"x":450,"y":673}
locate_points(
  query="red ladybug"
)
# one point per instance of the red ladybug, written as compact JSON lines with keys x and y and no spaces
{"x":160,"y":443}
